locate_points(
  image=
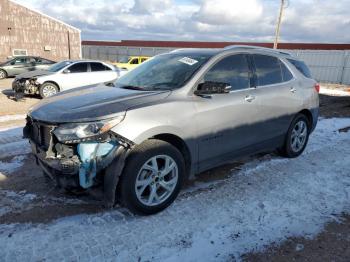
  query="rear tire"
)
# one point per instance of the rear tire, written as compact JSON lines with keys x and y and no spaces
{"x":152,"y":178}
{"x":48,"y":89}
{"x":297,"y":137}
{"x":3,"y":74}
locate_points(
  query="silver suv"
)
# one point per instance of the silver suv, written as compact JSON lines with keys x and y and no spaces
{"x":175,"y":115}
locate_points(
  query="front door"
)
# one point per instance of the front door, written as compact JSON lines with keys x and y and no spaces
{"x":76,"y":76}
{"x":18,"y":66}
{"x":225,"y":122}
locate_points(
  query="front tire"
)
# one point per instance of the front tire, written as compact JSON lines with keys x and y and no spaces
{"x":3,"y":74}
{"x":48,"y":89}
{"x":152,"y":178}
{"x":297,"y":137}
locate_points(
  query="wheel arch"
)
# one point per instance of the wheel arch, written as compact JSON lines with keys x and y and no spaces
{"x":52,"y":82}
{"x":179,"y":144}
{"x":308,"y":115}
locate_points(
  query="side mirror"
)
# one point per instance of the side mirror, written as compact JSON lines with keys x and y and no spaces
{"x":12,"y":63}
{"x":111,"y":84}
{"x":209,"y":88}
{"x":66,"y":71}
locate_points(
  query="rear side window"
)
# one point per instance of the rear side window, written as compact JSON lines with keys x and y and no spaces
{"x":78,"y":68}
{"x":232,"y":70}
{"x":302,"y":68}
{"x":96,"y":67}
{"x":286,"y":74}
{"x":267,"y":69}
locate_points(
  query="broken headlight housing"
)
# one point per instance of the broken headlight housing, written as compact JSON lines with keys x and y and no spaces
{"x":80,"y":132}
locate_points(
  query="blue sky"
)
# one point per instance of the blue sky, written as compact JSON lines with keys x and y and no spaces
{"x":202,"y":20}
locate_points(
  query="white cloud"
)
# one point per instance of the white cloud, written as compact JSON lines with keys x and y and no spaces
{"x":149,"y":6}
{"x":221,"y":20}
{"x":223,"y":12}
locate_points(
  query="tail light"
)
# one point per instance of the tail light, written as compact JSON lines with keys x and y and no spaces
{"x":317,"y":87}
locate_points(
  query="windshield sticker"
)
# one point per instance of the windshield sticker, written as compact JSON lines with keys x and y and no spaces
{"x":188,"y":61}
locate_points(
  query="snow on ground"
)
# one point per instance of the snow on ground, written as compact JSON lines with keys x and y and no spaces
{"x":269,"y":200}
{"x":13,"y":165}
{"x":12,"y":143}
{"x":6,"y":118}
{"x":11,"y":200}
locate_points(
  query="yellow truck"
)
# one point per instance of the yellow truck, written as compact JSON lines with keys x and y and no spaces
{"x":131,"y":62}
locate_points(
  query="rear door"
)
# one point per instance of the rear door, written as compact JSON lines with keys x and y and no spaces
{"x":276,"y":92}
{"x":101,"y":73}
{"x":225,"y":122}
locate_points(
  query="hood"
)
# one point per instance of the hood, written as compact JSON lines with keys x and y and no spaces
{"x":91,"y":103}
{"x":34,"y":73}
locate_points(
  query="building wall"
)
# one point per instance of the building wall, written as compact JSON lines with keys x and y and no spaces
{"x":330,"y":66}
{"x":23,"y":28}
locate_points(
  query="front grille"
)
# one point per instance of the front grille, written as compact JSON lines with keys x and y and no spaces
{"x":40,"y":133}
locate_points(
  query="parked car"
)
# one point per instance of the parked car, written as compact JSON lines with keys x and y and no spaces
{"x":63,"y":76}
{"x":21,"y":64}
{"x":131,"y":62}
{"x":174,"y":116}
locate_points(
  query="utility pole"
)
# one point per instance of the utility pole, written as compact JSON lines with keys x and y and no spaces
{"x":275,"y":44}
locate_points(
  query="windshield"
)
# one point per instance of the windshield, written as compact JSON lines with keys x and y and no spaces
{"x":163,"y":72}
{"x":124,"y":59}
{"x":58,"y":66}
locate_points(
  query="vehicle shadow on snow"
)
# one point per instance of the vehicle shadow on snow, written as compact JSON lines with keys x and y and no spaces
{"x":10,"y":94}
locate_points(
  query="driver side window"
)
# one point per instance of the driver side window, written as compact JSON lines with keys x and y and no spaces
{"x":78,"y":68}
{"x":232,"y":70}
{"x":19,"y":61}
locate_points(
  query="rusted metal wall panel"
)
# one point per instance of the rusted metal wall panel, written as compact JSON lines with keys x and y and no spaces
{"x":23,"y":28}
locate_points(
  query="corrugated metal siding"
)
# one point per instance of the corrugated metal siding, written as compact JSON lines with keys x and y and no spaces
{"x":330,"y":66}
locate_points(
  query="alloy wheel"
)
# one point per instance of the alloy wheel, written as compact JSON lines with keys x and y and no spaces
{"x":299,"y":136}
{"x":156,"y":180}
{"x":2,"y":74}
{"x":49,"y":90}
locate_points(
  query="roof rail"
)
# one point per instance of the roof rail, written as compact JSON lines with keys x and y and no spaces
{"x":255,"y":47}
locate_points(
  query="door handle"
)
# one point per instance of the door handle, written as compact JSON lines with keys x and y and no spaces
{"x":249,"y":98}
{"x":293,"y":90}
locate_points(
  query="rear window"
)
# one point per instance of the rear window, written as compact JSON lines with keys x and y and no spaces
{"x":302,"y":68}
{"x":95,"y":67}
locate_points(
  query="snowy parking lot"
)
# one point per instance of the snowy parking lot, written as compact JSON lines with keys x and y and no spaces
{"x":264,"y":201}
{"x":233,"y":210}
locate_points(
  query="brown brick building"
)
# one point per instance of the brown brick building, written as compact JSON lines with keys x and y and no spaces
{"x":28,"y":32}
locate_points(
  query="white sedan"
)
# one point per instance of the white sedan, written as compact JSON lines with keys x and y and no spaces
{"x":65,"y":75}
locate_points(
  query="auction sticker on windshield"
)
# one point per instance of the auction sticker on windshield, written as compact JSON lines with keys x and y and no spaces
{"x":188,"y":61}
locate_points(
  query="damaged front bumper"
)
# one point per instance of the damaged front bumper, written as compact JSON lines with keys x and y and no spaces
{"x":26,"y":86}
{"x":84,"y":165}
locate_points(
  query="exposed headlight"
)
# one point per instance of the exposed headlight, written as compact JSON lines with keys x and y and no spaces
{"x":79,"y":132}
